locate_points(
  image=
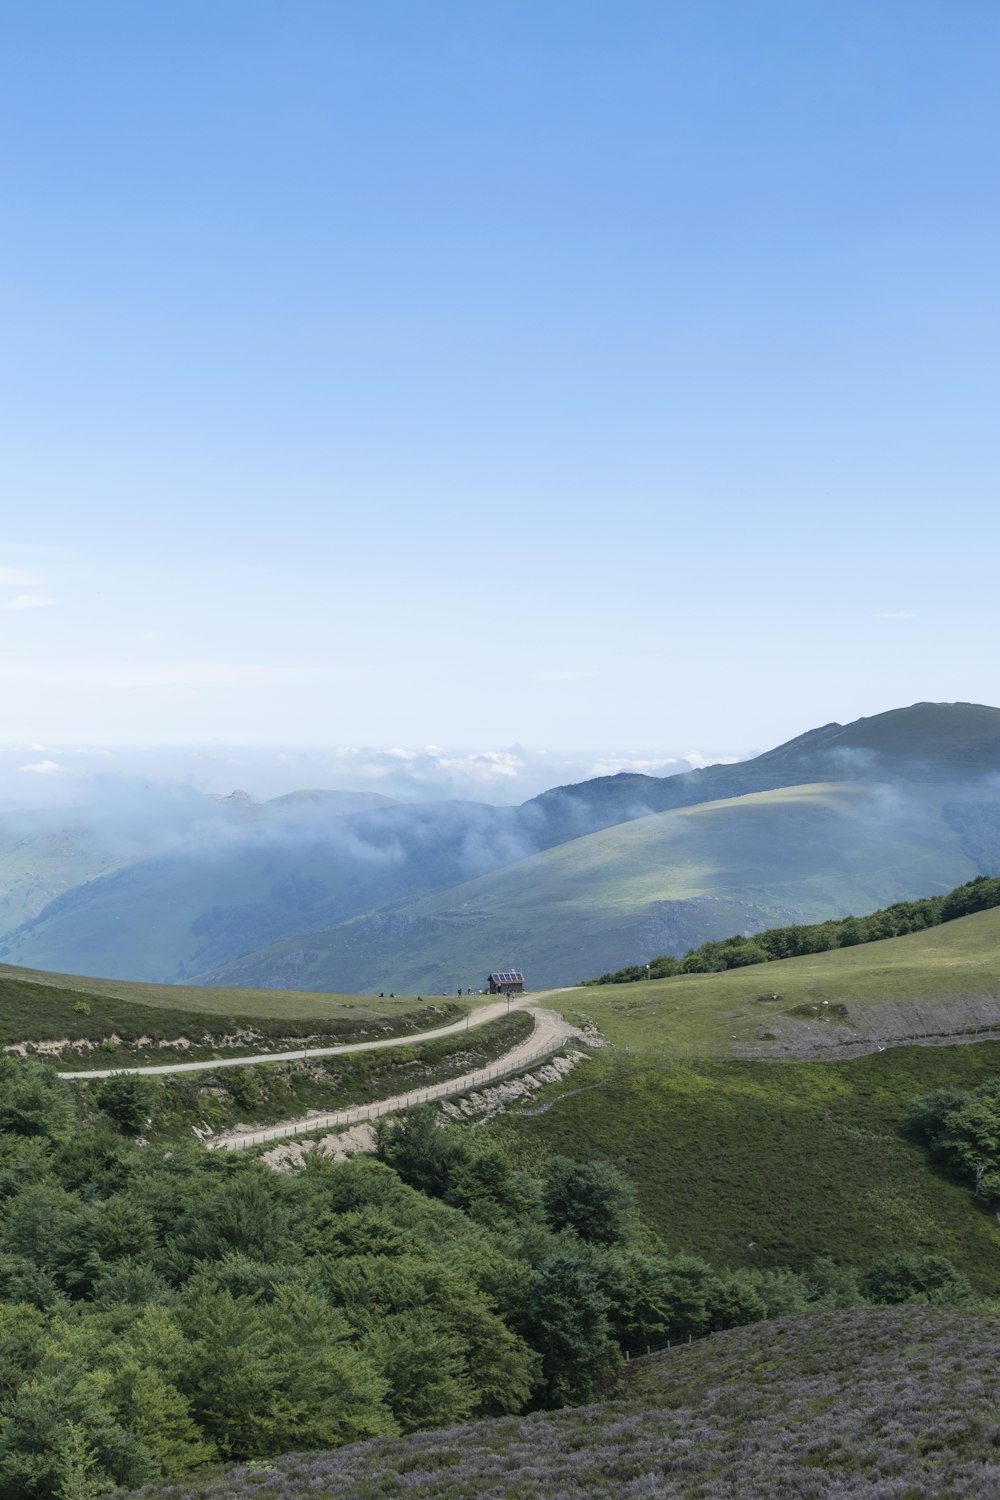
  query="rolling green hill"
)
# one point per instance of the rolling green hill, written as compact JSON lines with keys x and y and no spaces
{"x":760,"y":1112}
{"x":940,"y":982}
{"x":652,"y":885}
{"x":45,"y":853}
{"x":956,"y":742}
{"x":55,"y":1013}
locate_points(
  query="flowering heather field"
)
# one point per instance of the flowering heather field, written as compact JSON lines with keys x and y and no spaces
{"x":893,"y":1403}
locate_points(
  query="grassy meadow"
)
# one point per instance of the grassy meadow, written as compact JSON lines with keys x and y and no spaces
{"x":757,"y":1152}
{"x":946,"y":978}
{"x":36,"y":1007}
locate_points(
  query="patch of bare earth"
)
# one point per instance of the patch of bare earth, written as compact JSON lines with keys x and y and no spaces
{"x":834,"y":1030}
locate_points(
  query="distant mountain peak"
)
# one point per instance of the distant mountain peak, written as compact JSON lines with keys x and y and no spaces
{"x":810,"y":740}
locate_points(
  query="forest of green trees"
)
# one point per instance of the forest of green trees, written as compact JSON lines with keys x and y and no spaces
{"x":818,"y":937}
{"x":165,"y":1308}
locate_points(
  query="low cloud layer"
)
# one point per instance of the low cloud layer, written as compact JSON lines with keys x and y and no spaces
{"x":34,"y":775}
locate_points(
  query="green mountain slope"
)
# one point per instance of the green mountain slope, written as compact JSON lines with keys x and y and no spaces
{"x":44,"y":853}
{"x":760,"y":1113}
{"x":281,"y":869}
{"x":60,"y":1016}
{"x":653,"y":885}
{"x":312,"y":861}
{"x":942,"y":984}
{"x":944,"y":742}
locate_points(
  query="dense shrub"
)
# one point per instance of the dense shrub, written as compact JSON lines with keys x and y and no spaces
{"x":911,"y":1277}
{"x":126,"y":1099}
{"x":961,"y":1130}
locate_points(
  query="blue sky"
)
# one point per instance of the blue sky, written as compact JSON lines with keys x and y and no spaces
{"x":567,"y":374}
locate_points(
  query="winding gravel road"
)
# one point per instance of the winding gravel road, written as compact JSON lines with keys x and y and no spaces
{"x":475,"y":1018}
{"x":550,"y":1032}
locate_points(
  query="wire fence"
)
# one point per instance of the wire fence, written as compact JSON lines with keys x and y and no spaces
{"x":644,"y":1350}
{"x":362,"y":1113}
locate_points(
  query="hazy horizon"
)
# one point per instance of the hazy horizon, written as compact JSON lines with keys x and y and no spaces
{"x":46,"y":776}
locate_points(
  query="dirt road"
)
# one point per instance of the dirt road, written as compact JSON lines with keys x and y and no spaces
{"x":475,"y":1018}
{"x":550,"y":1032}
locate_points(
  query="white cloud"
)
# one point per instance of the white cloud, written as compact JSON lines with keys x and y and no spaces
{"x":55,"y":771}
{"x":483,"y":765}
{"x":433,"y":766}
{"x":698,"y":761}
{"x":610,"y":765}
{"x":16,"y":578}
{"x":691,"y":760}
{"x":26,"y":601}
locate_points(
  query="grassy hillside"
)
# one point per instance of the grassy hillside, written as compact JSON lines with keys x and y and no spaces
{"x":941,"y":981}
{"x":773,"y":1164}
{"x":43,"y":854}
{"x":47,"y":852}
{"x":888,"y":1402}
{"x":656,"y":884}
{"x":37,"y":1007}
{"x":751,"y":1160}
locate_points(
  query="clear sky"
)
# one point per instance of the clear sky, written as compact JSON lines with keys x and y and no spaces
{"x":390,"y":372}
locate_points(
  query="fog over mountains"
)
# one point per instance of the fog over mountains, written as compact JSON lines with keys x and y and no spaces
{"x":48,"y":775}
{"x":352,"y":890}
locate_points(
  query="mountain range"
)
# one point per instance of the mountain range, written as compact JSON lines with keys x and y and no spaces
{"x":331,"y":891}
